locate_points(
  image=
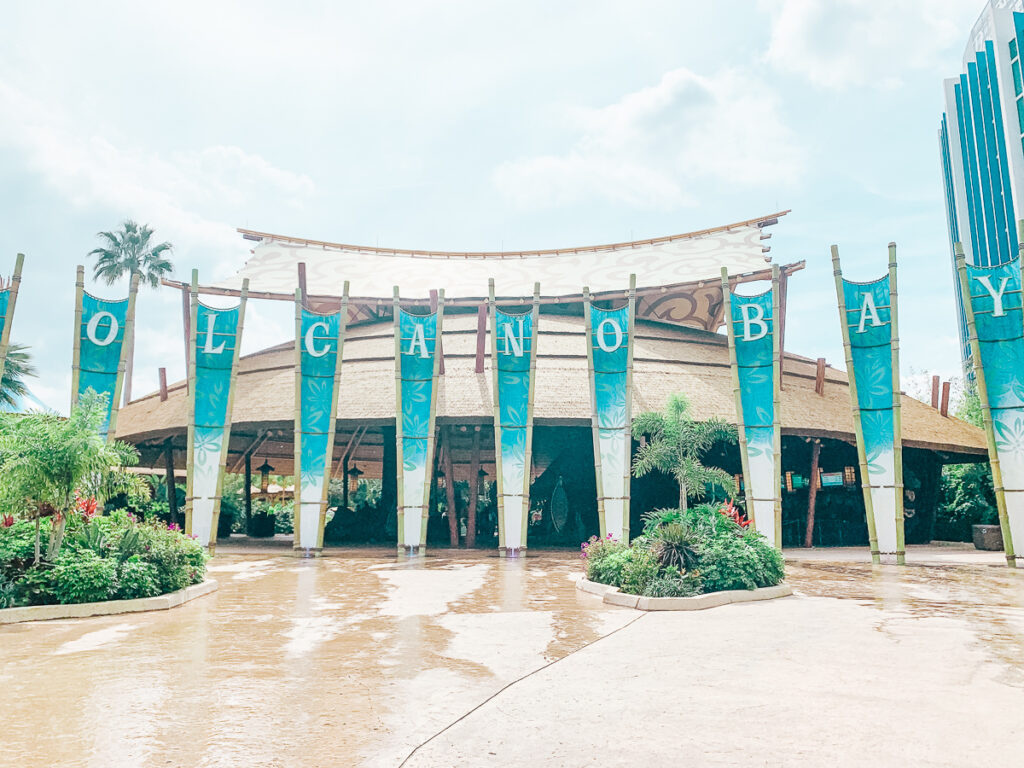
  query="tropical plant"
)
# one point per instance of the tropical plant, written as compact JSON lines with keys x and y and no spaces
{"x":675,"y":444}
{"x":50,"y":464}
{"x":17,"y":367}
{"x":130,"y":250}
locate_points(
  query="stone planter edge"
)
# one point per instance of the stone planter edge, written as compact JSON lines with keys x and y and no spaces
{"x":612,"y":596}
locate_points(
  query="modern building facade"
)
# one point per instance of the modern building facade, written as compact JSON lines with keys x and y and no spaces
{"x":981,"y":140}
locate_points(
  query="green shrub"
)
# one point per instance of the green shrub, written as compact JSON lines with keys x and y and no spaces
{"x":604,"y":560}
{"x":35,"y":587}
{"x":676,"y":545}
{"x":670,"y":584}
{"x":137,"y":579}
{"x":83,"y":577}
{"x":639,"y":570}
{"x":17,"y":546}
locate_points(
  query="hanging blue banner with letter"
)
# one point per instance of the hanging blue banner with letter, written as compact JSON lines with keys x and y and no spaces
{"x":8,"y":299}
{"x":318,"y":345}
{"x":992,"y":303}
{"x":610,"y":351}
{"x":216,"y":336}
{"x":417,"y":365}
{"x":755,"y":362}
{"x":102,"y":338}
{"x":513,"y":350}
{"x":868,"y":314}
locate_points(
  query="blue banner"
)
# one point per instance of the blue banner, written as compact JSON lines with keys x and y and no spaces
{"x":318,"y":345}
{"x":998,"y":358}
{"x":214,"y":354}
{"x":417,"y":383}
{"x":101,"y":342}
{"x":611,"y":349}
{"x":868,"y":318}
{"x":752,"y":331}
{"x":513,"y":345}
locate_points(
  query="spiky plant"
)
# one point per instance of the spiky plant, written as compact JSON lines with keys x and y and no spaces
{"x":17,"y":367}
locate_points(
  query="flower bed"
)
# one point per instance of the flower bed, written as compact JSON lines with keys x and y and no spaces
{"x":683,"y":553}
{"x":114,"y":557}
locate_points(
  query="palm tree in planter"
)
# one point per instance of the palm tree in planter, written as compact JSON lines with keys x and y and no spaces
{"x":17,"y":367}
{"x":129,"y":250}
{"x":675,"y":443}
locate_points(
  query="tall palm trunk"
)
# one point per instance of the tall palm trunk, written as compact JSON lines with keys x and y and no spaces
{"x":682,"y":495}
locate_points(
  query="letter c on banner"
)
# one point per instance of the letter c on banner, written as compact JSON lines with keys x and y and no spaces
{"x":309,"y":340}
{"x":93,"y":327}
{"x":755,"y":317}
{"x":602,"y":340}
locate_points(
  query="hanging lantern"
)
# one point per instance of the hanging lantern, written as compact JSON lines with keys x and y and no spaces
{"x":353,"y":479}
{"x":264,"y":469}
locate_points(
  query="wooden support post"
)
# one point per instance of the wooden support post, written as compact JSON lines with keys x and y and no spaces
{"x":783,"y":293}
{"x":248,"y":493}
{"x":162,"y":374}
{"x":819,"y":379}
{"x":944,"y":405}
{"x":474,"y":489}
{"x":172,"y":488}
{"x":186,"y":321}
{"x":935,"y":392}
{"x":344,"y":482}
{"x":303,"y":293}
{"x":449,"y":487}
{"x":481,"y":338}
{"x":812,"y":494}
{"x":439,"y":348}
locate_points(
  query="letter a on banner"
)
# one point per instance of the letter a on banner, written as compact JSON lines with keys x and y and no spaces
{"x":610,"y":359}
{"x":8,"y":298}
{"x":103,"y":336}
{"x":319,"y":343}
{"x":514,"y":364}
{"x":755,"y":355}
{"x":869,"y":319}
{"x":992,"y":304}
{"x":213,"y":367}
{"x":417,"y":365}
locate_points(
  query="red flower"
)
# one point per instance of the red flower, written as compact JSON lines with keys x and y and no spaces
{"x":87,"y":506}
{"x":8,"y":521}
{"x":729,"y":510}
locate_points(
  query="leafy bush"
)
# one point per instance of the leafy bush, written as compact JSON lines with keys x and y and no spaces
{"x":605,"y":560}
{"x":966,"y":498}
{"x":671,"y":584}
{"x":639,"y":570}
{"x":137,"y":579}
{"x":676,"y":546}
{"x":83,"y":577}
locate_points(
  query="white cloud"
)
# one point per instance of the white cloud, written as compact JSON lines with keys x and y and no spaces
{"x":842,"y":43}
{"x":650,"y":147}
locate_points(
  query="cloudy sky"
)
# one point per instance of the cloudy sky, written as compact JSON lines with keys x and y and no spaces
{"x":472,"y":126}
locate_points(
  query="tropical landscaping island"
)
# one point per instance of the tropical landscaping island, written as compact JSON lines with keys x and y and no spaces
{"x":440,"y":486}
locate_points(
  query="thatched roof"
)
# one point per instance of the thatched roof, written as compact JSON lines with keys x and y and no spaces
{"x":667,"y":360}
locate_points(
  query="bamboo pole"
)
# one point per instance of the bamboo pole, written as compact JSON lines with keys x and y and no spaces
{"x":528,"y":462}
{"x":193,"y":316}
{"x":777,"y":405}
{"x":12,"y":299}
{"x":332,"y":429}
{"x":979,"y":378}
{"x":226,"y":436}
{"x":76,"y":354}
{"x":431,"y":438}
{"x":851,"y":376}
{"x":737,"y":396}
{"x":594,"y":425}
{"x":400,"y":462}
{"x":297,"y":417}
{"x":492,"y":311}
{"x":628,"y":466}
{"x":127,"y":344}
{"x":474,"y":489}
{"x":897,"y":401}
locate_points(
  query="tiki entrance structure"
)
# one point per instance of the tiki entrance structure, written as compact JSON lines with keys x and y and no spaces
{"x":677,"y":348}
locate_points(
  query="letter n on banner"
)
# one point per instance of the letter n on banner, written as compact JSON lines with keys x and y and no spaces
{"x":319,"y":345}
{"x":213,"y":367}
{"x":8,"y":298}
{"x":992,"y":304}
{"x":869,"y":319}
{"x":514,"y":365}
{"x":755,"y":356}
{"x":416,"y":370}
{"x":103,"y":335}
{"x":610,"y":358}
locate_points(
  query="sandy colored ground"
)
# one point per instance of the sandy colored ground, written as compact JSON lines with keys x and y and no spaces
{"x":362,"y":660}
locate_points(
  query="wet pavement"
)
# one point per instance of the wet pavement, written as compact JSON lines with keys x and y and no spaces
{"x":360,"y":660}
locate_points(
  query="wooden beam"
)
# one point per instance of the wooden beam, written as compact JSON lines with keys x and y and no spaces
{"x":783,"y":294}
{"x":162,"y":374}
{"x":944,"y":406}
{"x":172,"y":488}
{"x":250,"y":449}
{"x":247,"y":492}
{"x":440,"y":349}
{"x":449,"y":487}
{"x":481,"y":337}
{"x":302,"y":283}
{"x":186,"y":318}
{"x":812,"y":494}
{"x":474,"y":488}
{"x":935,"y":391}
{"x":819,"y":378}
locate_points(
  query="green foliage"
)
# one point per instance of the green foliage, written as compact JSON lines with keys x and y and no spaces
{"x":35,"y":587}
{"x":17,"y":546}
{"x":676,"y":443}
{"x":17,"y":368}
{"x":130,"y":250}
{"x":639,"y":570}
{"x":966,"y":498}
{"x":137,"y":578}
{"x":674,"y":584}
{"x":83,"y":577}
{"x":605,"y":559}
{"x":676,"y":546}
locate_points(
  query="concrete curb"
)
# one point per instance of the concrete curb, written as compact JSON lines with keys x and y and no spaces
{"x":107,"y":608}
{"x":612,"y":596}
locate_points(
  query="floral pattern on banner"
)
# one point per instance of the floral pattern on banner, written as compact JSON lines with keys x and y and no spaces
{"x":1000,"y":330}
{"x":98,"y":362}
{"x":514,"y":336}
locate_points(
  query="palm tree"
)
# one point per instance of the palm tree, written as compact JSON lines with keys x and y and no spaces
{"x":129,"y":250}
{"x":126,"y":252}
{"x":17,"y":368}
{"x":675,"y":444}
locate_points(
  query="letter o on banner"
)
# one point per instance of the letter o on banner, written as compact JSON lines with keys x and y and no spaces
{"x":309,"y":340}
{"x":602,"y":340}
{"x":93,"y":326}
